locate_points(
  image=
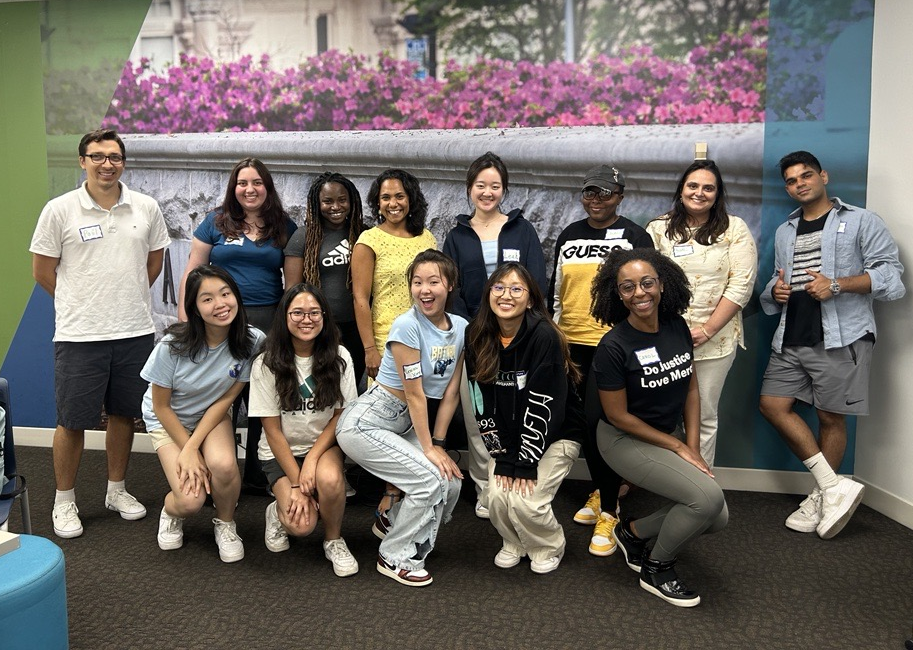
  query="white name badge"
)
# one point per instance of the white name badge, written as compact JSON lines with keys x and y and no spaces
{"x":90,"y":232}
{"x":511,"y":254}
{"x":521,"y":380}
{"x":842,"y":227}
{"x":234,"y":242}
{"x":614,"y":233}
{"x":647,"y":356}
{"x":412,"y":370}
{"x":681,"y":250}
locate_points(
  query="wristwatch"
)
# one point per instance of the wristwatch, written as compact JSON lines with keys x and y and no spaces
{"x":835,"y":287}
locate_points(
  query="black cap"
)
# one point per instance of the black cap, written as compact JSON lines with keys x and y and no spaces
{"x":605,"y":177}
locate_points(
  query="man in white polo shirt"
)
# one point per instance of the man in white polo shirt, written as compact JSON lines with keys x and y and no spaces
{"x":97,"y":250}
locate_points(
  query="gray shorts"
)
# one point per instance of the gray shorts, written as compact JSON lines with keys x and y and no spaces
{"x":273,"y":469}
{"x":835,"y":381}
{"x":92,"y":374}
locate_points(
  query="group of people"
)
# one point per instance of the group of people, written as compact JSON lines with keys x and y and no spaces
{"x":622,"y":353}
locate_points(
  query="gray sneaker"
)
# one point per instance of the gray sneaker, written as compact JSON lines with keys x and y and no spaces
{"x":171,"y":532}
{"x":808,"y":516}
{"x":231,"y":549}
{"x":338,"y":553}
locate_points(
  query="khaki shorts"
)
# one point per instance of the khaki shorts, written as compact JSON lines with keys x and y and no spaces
{"x":160,"y":438}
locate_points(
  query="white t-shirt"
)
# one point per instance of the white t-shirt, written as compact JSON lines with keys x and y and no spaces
{"x":304,"y":425}
{"x":194,"y":385}
{"x":102,"y":291}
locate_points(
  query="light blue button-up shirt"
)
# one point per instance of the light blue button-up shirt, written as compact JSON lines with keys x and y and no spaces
{"x":854,"y":241}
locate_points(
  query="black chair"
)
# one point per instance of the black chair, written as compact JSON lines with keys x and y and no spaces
{"x":15,"y":488}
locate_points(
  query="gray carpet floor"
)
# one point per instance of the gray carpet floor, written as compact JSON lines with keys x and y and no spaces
{"x":762,"y":585}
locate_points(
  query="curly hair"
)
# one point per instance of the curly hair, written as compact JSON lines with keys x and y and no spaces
{"x":230,"y":218}
{"x":607,"y":306}
{"x":313,"y":224}
{"x":677,"y":218}
{"x":327,"y":366}
{"x":483,"y":337}
{"x":418,"y":206}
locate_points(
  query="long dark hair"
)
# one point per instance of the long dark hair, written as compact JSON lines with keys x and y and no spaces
{"x":230,"y":219}
{"x":607,"y":306}
{"x":487,"y":160}
{"x":418,"y":206}
{"x":484,"y":334}
{"x":189,"y":338}
{"x":313,"y":224}
{"x":677,"y":217}
{"x":327,"y":365}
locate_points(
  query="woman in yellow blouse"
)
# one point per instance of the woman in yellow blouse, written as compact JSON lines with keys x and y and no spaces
{"x":719,"y":256}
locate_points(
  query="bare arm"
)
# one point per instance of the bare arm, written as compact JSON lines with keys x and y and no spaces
{"x":449,"y":403}
{"x":327,"y":439}
{"x":362,"y":264}
{"x":725,"y":311}
{"x":44,"y":270}
{"x":292,"y":271}
{"x":199,"y":254}
{"x":154,"y":264}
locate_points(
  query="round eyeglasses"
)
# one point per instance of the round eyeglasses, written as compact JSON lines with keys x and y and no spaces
{"x":628,"y":288}
{"x":298,"y":315}
{"x":516,"y":291}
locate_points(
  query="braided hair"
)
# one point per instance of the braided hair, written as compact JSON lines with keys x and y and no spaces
{"x":314,"y":225}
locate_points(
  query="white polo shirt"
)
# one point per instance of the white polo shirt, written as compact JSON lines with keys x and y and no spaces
{"x":102,"y":290}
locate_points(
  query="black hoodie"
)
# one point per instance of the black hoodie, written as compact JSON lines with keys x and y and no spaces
{"x":524,"y":410}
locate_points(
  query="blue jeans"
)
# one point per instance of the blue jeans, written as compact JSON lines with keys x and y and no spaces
{"x":376,"y":432}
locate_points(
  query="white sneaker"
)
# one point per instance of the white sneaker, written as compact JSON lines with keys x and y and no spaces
{"x":126,"y":504}
{"x":171,"y":532}
{"x":546,"y":566}
{"x":66,"y":520}
{"x":837,"y":506}
{"x":231,"y":549}
{"x":808,"y":516}
{"x":337,"y":552}
{"x":275,"y":536}
{"x":505,"y":559}
{"x":482,"y":511}
{"x":350,"y":491}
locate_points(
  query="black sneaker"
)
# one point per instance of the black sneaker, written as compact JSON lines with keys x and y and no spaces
{"x":632,"y":547}
{"x":660,"y":579}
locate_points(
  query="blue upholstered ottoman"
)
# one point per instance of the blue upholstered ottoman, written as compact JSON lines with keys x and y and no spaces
{"x":33,"y":596}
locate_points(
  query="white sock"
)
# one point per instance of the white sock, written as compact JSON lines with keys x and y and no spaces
{"x":65,"y":496}
{"x":113,"y":486}
{"x":821,"y":470}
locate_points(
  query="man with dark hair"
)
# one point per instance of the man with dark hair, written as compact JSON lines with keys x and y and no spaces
{"x":831,"y":261}
{"x":97,"y":250}
{"x":579,"y":250}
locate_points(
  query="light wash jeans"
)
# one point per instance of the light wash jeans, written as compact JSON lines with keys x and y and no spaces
{"x":376,"y":432}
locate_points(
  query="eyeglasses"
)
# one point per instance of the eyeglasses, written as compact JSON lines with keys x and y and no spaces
{"x":99,"y":158}
{"x":516,"y":291}
{"x":628,"y":288}
{"x":605,"y":195}
{"x":298,"y":315}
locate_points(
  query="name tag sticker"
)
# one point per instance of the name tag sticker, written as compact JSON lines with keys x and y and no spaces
{"x":413,"y":370}
{"x":234,"y":242}
{"x":90,"y":232}
{"x":614,"y":233}
{"x":842,"y":227}
{"x":647,"y":356}
{"x":681,"y":250}
{"x":511,"y":254}
{"x":521,"y":380}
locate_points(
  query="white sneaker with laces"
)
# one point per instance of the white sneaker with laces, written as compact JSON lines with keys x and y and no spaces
{"x":171,"y":532}
{"x":126,"y":504}
{"x":837,"y":506}
{"x":546,"y":566}
{"x":506,"y":558}
{"x":338,"y":553}
{"x":231,"y":549}
{"x":66,"y":520}
{"x":275,"y":536}
{"x":482,"y":511}
{"x":808,"y":516}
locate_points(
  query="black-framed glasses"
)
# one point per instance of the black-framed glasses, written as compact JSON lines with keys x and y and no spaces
{"x":601,"y":194}
{"x":99,"y":158}
{"x":298,"y":315}
{"x":516,"y":291}
{"x":628,"y":288}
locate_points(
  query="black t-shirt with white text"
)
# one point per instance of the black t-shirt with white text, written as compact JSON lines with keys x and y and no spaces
{"x":654,"y":369}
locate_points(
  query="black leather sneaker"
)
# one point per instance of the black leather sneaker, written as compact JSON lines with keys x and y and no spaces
{"x":632,"y":547}
{"x":660,"y":579}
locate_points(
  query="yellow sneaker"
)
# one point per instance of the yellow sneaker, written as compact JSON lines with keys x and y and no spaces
{"x":589,"y":514}
{"x":602,"y":543}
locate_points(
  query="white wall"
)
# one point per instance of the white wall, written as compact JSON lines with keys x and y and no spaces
{"x":884,"y":446}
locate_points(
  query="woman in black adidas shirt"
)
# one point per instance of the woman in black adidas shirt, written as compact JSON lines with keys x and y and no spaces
{"x":646,"y":384}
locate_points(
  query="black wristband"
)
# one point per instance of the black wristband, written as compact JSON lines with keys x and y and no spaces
{"x":437,"y":442}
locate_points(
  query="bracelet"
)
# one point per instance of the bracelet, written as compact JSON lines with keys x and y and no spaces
{"x":437,"y":442}
{"x":370,"y":347}
{"x":295,"y":486}
{"x":701,"y":328}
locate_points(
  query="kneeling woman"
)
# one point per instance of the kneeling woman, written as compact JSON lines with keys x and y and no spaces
{"x":195,"y":372}
{"x":299,"y":386}
{"x":646,"y":381}
{"x":388,"y":431}
{"x":516,"y":357}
